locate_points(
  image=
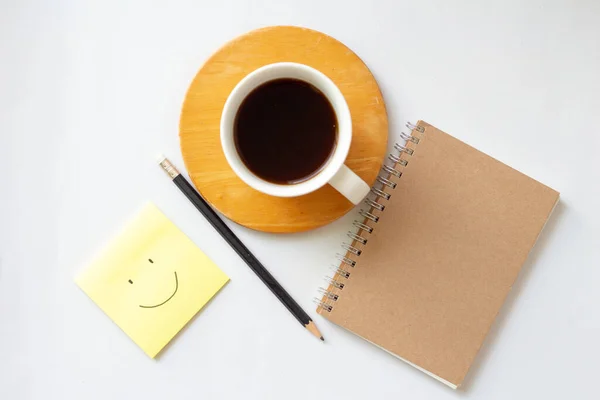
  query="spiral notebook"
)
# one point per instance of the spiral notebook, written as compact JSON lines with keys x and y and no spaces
{"x":439,"y":248}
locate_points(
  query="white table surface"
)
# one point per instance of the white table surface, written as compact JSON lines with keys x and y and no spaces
{"x":90,"y":91}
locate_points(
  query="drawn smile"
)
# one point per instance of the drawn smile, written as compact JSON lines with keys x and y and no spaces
{"x":176,"y":287}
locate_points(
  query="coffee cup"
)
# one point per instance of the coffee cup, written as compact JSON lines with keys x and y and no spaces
{"x":243,"y":108}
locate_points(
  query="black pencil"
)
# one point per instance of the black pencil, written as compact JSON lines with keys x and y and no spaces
{"x":239,"y":247}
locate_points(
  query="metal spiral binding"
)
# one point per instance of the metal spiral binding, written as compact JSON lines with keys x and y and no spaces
{"x":414,"y":127}
{"x":356,"y":237}
{"x":334,"y":283}
{"x":386,"y":182}
{"x":406,"y":137}
{"x":328,"y":294}
{"x":391,"y":171}
{"x":322,"y":304}
{"x":374,"y":204}
{"x":371,"y":216}
{"x":398,"y":160}
{"x":341,"y":272}
{"x":346,"y":260}
{"x":351,"y":249}
{"x":362,"y":226}
{"x":380,"y":193}
{"x":402,"y":148}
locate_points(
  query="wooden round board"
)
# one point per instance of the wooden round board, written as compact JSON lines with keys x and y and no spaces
{"x":201,"y":114}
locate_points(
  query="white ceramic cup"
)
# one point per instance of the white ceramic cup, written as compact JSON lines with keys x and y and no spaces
{"x":334,"y":172}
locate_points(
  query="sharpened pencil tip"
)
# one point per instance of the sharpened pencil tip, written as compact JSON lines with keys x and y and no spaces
{"x":312,"y":328}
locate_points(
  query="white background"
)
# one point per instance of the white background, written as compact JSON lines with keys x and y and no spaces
{"x":91,"y":91}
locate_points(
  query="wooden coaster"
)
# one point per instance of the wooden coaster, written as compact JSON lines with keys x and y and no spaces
{"x":201,"y":114}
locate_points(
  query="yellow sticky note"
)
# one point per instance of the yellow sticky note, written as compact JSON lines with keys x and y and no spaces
{"x":151,"y":280}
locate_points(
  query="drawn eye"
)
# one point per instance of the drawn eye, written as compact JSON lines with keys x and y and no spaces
{"x":130,"y":281}
{"x":151,"y":260}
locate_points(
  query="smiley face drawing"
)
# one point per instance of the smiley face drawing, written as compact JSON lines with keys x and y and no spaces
{"x":151,"y":280}
{"x":170,"y":297}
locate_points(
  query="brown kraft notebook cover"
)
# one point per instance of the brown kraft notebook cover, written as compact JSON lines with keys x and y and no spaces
{"x":442,"y":256}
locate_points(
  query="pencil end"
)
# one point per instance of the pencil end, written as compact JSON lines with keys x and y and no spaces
{"x":312,"y":328}
{"x":166,"y":165}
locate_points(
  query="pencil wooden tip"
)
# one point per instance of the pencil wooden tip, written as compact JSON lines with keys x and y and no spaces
{"x":312,"y":328}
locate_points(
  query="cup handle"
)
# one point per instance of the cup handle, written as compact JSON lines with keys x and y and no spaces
{"x":350,"y":185}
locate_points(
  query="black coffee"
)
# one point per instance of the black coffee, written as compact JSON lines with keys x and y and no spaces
{"x":285,"y":131}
